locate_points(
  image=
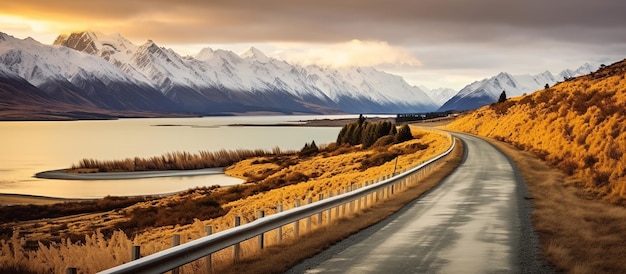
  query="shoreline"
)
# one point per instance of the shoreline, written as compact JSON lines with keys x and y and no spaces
{"x":314,"y":123}
{"x":61,"y":174}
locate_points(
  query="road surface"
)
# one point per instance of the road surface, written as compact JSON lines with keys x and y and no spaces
{"x":476,"y":221}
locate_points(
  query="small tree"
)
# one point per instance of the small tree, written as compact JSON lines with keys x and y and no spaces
{"x":404,"y":134}
{"x":309,"y":150}
{"x":393,"y":131}
{"x":361,"y":119}
{"x":502,"y":97}
{"x":546,"y":86}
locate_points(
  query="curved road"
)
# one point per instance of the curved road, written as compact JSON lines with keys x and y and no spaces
{"x":476,"y":221}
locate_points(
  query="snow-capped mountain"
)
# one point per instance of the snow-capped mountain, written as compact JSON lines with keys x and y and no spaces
{"x":222,"y":81}
{"x":439,"y":95}
{"x":487,"y":91}
{"x":80,"y":79}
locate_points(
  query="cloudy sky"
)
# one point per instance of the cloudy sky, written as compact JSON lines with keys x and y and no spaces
{"x":437,"y":43}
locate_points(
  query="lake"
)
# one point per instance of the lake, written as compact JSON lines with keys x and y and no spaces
{"x":30,"y":147}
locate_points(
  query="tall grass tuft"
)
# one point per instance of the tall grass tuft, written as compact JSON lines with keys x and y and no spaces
{"x":176,"y":160}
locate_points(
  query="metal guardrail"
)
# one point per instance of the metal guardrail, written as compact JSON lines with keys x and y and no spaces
{"x":185,"y":253}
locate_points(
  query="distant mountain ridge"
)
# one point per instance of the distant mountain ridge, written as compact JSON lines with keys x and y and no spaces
{"x":487,"y":91}
{"x":439,"y":95}
{"x":91,"y":70}
{"x":108,"y":72}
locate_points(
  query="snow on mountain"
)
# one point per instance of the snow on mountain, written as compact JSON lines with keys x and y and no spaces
{"x":487,"y":91}
{"x":439,"y":95}
{"x":40,"y":63}
{"x":389,"y":91}
{"x":256,"y":55}
{"x":82,"y":79}
{"x":252,"y":79}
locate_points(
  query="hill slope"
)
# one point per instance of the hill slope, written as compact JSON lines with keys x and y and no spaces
{"x":578,"y":125}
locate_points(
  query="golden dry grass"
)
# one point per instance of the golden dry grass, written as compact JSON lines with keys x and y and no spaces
{"x":578,"y":125}
{"x":171,"y":161}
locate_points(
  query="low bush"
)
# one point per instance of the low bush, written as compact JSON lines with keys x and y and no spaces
{"x":377,"y":159}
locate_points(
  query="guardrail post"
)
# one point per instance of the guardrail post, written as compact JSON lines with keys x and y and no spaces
{"x":175,"y":242}
{"x":358,"y":201}
{"x":347,"y":205}
{"x":296,"y":224}
{"x":237,"y":246}
{"x":279,"y":230}
{"x":374,"y":195}
{"x":366,"y":196}
{"x":319,"y":215}
{"x":337,"y":207}
{"x":71,"y":270}
{"x":135,"y":252}
{"x":208,"y":260}
{"x":261,"y":214}
{"x":353,"y":202}
{"x":308,"y":219}
{"x":329,"y":217}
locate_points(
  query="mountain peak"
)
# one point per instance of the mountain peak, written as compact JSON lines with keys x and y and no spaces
{"x":504,"y":75}
{"x":205,"y":54}
{"x":256,"y":54}
{"x":93,"y":42}
{"x":82,"y":41}
{"x":4,"y":36}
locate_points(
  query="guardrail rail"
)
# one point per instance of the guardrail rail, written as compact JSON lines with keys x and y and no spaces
{"x":172,"y":258}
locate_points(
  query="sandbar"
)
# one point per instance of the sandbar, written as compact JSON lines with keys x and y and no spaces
{"x":62,"y":174}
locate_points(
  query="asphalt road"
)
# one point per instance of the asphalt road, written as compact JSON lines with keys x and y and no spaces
{"x":476,"y":221}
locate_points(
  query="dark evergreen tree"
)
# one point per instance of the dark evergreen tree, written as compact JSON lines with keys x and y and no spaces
{"x":546,"y":86}
{"x":368,"y":136}
{"x":361,"y":132}
{"x":502,"y":97}
{"x":393,"y":131}
{"x":341,"y":138}
{"x":309,"y":149}
{"x":361,"y":119}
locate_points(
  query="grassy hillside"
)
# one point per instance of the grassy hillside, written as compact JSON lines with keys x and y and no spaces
{"x":577,"y":125}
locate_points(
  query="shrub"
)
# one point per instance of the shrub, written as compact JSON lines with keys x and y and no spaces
{"x":404,"y":134}
{"x":309,"y":150}
{"x":384,"y":141}
{"x":568,"y":166}
{"x":377,"y":159}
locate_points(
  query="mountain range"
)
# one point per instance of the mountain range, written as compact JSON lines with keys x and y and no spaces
{"x":93,"y":75}
{"x":108,"y":72}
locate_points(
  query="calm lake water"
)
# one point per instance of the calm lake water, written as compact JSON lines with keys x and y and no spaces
{"x":30,"y":147}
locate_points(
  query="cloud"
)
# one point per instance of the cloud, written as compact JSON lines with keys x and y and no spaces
{"x":332,"y":21}
{"x":352,"y":53}
{"x":450,"y":37}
